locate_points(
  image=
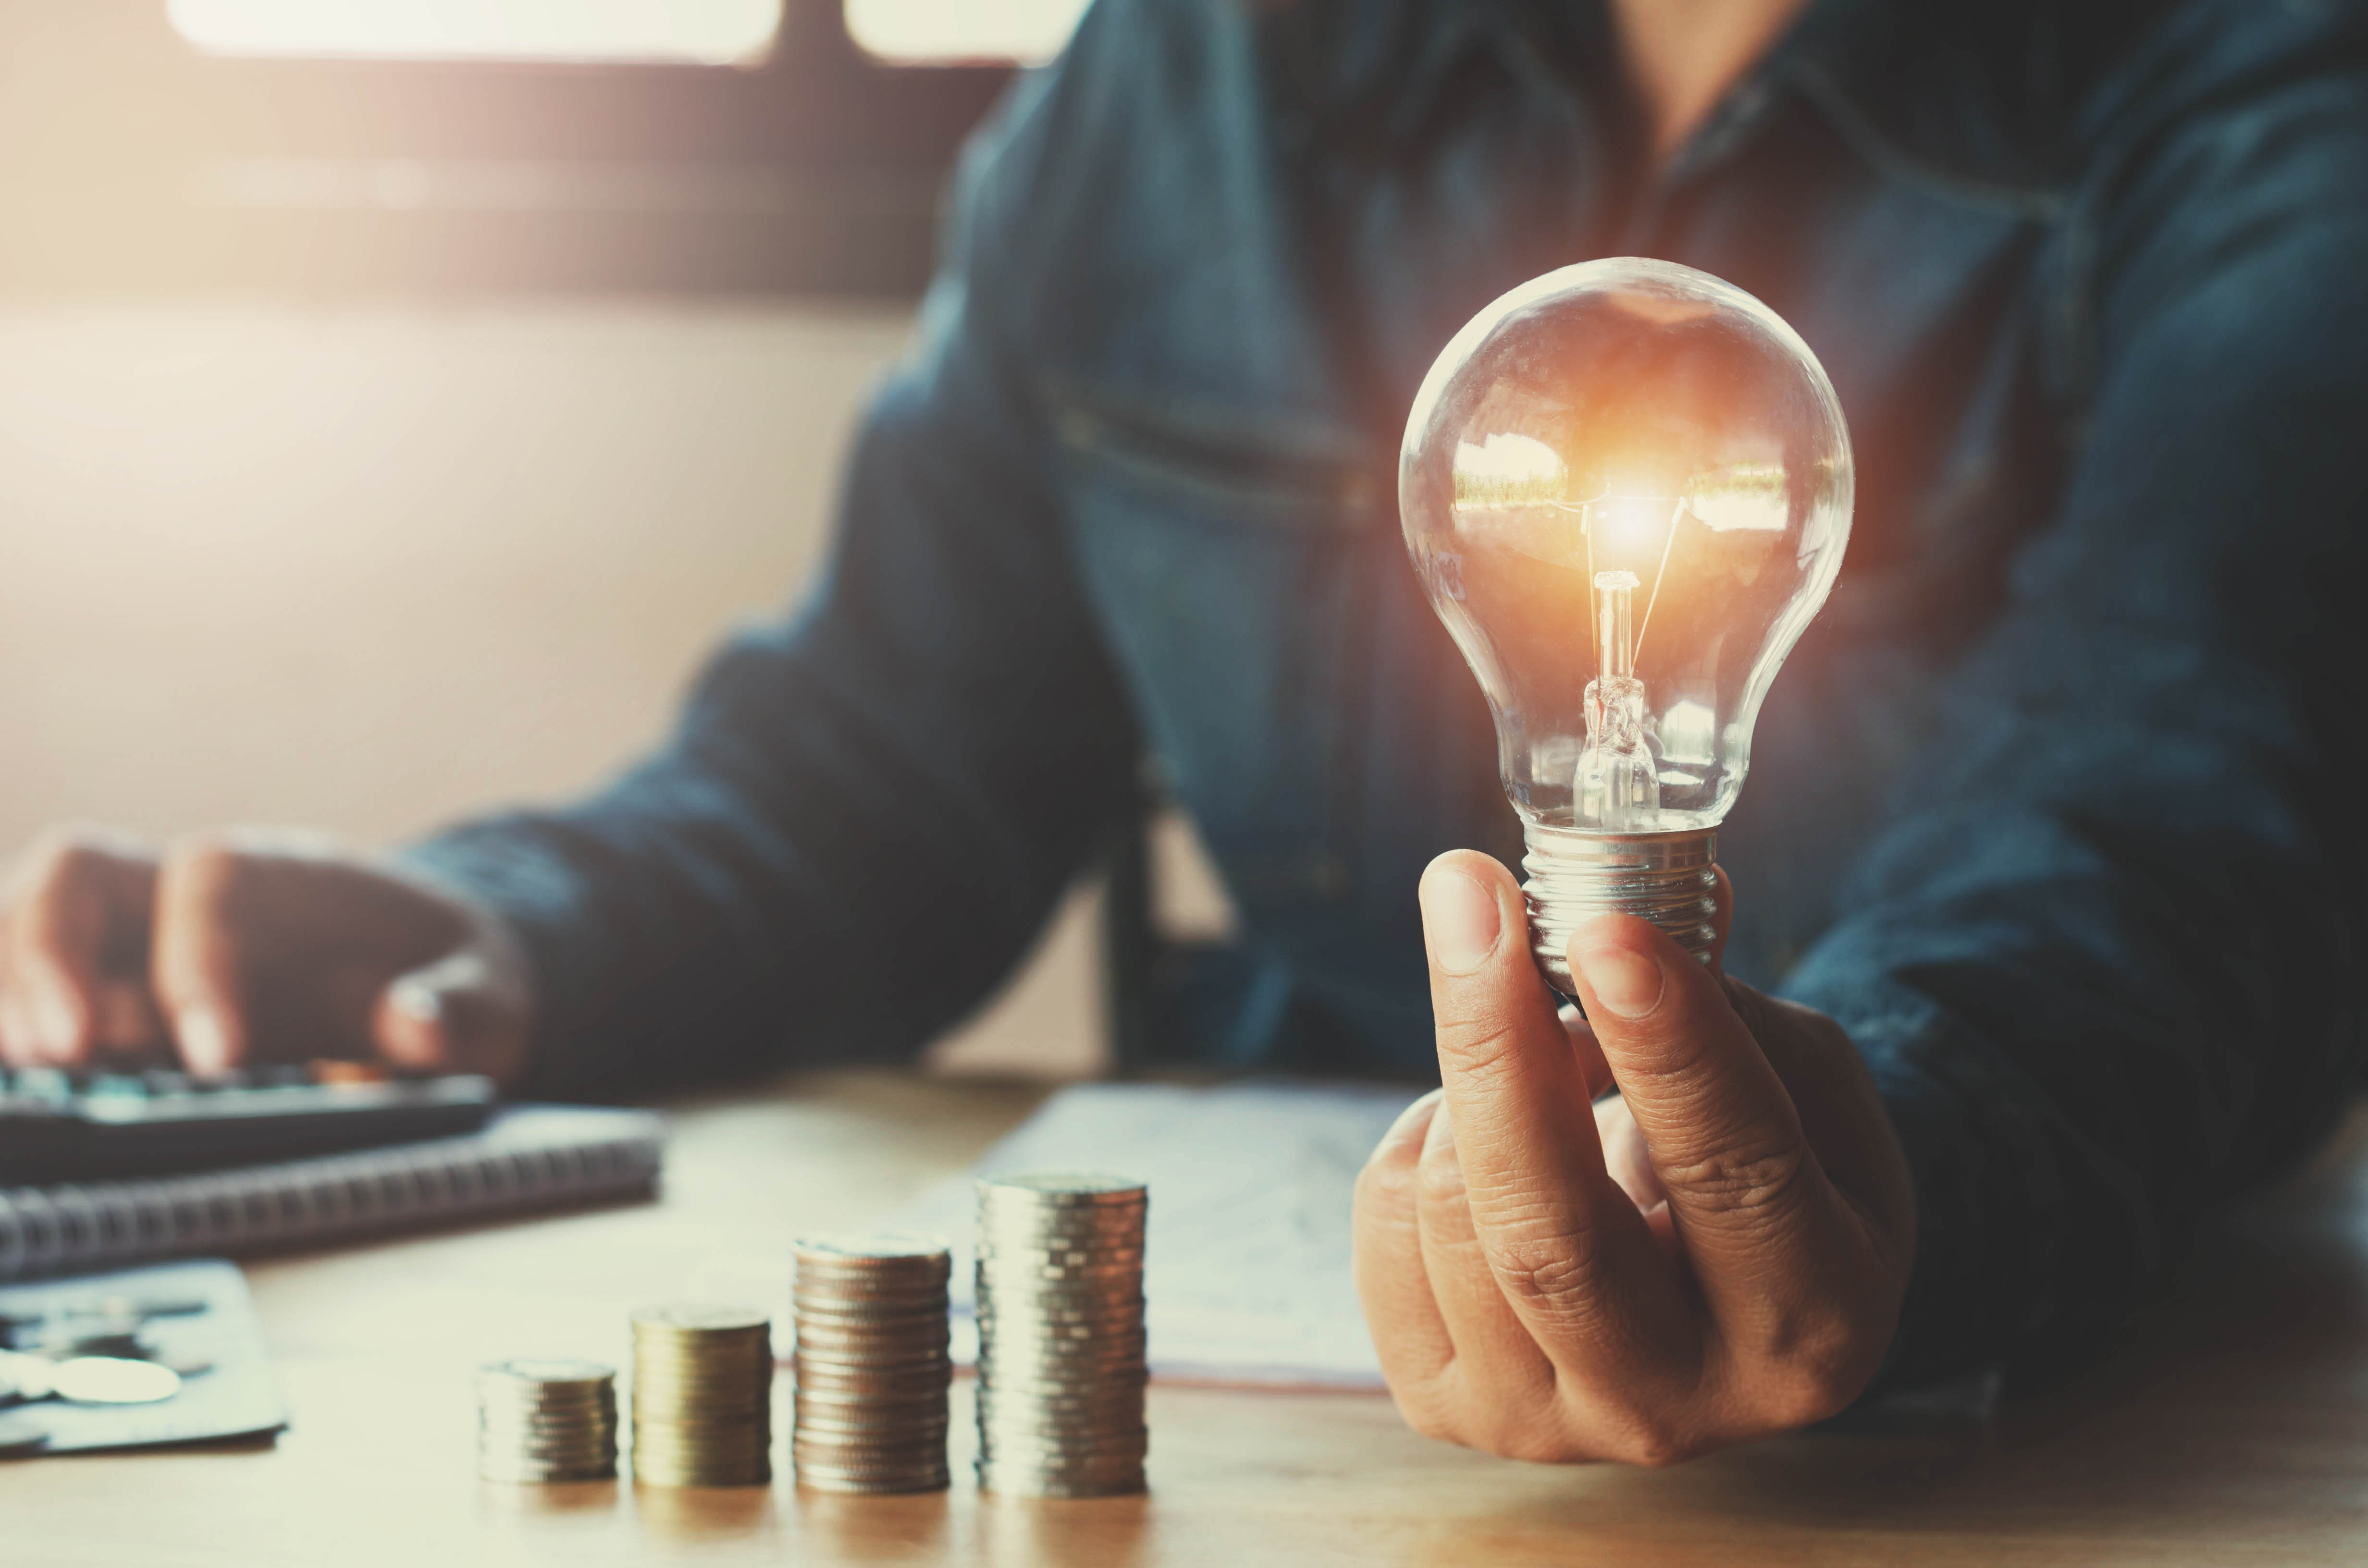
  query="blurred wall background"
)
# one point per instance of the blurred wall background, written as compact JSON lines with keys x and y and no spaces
{"x":350,"y":513}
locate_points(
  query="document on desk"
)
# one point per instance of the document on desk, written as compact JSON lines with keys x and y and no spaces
{"x":1247,"y":1260}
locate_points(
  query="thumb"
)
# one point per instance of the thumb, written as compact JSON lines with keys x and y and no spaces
{"x":458,"y":1015}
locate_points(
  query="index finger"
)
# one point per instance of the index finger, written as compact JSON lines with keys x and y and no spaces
{"x":196,"y":958}
{"x":1758,"y":1219}
{"x":65,"y":906}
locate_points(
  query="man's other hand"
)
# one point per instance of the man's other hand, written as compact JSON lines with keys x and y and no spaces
{"x":1714,"y":1254}
{"x":247,"y":946}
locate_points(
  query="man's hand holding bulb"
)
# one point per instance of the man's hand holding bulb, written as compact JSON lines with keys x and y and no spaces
{"x":1716,"y":1252}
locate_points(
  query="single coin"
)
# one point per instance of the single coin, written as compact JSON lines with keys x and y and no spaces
{"x":1058,"y":1339}
{"x":701,"y":1318}
{"x":815,"y":1334}
{"x":531,"y":1475}
{"x":107,"y":1380}
{"x":842,"y":1387}
{"x":869,"y":1486}
{"x":1064,"y":1187}
{"x":552,"y":1374}
{"x":1015,"y":1409}
{"x":921,"y":1306}
{"x":914,"y":1477}
{"x":849,"y":1407}
{"x":1017,"y":1484}
{"x":1064,"y":1361}
{"x":863,"y":1247}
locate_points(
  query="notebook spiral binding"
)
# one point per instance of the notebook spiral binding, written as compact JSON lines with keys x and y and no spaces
{"x":530,"y":1157}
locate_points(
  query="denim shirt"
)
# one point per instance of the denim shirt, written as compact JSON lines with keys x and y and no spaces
{"x":2054,"y":808}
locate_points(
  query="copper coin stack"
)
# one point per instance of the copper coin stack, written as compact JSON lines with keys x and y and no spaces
{"x":703,"y":1396}
{"x":542,"y":1422}
{"x":873,"y":1363}
{"x":1060,"y":1368}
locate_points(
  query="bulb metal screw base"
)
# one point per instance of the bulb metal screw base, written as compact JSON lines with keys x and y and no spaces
{"x":1669,"y":879}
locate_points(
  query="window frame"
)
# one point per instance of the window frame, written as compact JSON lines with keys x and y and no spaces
{"x":130,"y":159}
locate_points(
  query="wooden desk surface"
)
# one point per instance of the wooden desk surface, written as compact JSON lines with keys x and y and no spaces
{"x":2231,"y":1428}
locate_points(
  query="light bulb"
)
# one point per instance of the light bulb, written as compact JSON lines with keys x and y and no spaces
{"x":1627,"y":487}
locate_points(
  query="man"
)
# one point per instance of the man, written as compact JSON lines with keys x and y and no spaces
{"x":2050,"y":837}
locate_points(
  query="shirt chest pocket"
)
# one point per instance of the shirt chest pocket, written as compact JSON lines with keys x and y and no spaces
{"x":1222,"y":552}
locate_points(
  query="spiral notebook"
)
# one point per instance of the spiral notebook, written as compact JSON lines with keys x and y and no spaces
{"x":528,"y":1157}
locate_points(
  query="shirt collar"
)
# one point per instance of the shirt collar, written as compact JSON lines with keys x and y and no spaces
{"x":1977,"y":98}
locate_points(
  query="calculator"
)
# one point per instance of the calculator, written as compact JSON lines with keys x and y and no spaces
{"x":57,"y":1126}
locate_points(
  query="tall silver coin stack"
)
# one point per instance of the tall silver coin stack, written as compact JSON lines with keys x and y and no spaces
{"x":703,"y":1396}
{"x":546,"y":1421}
{"x":873,"y":1363}
{"x":1060,"y":1368}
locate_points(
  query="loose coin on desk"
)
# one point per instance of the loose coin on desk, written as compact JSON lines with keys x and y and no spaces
{"x":85,"y":1380}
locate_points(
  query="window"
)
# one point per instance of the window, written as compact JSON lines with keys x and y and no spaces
{"x":719,"y":32}
{"x":460,"y":146}
{"x":917,"y":32}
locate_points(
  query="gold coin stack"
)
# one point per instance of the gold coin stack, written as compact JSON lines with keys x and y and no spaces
{"x":872,"y":1364}
{"x":1061,"y":1367}
{"x":703,"y":1396}
{"x":544,"y":1422}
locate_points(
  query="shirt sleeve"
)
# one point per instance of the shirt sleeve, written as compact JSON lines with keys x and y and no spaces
{"x":866,"y":811}
{"x":2103,"y":959}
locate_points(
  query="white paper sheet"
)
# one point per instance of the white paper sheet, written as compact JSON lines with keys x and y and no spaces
{"x":1247,"y":1260}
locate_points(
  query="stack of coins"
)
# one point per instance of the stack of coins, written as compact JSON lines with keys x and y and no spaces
{"x":872,"y":1364}
{"x":546,"y":1421}
{"x":703,"y":1396}
{"x":1061,"y":1369}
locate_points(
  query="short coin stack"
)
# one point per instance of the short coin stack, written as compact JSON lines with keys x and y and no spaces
{"x":703,"y":1396}
{"x":546,"y":1421}
{"x":873,"y":1363}
{"x":1060,"y":1368}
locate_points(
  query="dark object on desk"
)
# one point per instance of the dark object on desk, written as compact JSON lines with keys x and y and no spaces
{"x":194,"y":1316}
{"x":58,"y":1126}
{"x":525,"y":1158}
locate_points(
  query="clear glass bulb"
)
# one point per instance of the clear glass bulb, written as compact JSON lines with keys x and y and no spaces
{"x":1627,"y":487}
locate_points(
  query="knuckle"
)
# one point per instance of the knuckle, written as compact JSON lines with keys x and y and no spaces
{"x":1738,"y":1181}
{"x":1438,"y":1175}
{"x":1385,"y":1184}
{"x":1545,"y":1271}
{"x":1815,"y":1370}
{"x":1520,"y":1433}
{"x":1803,"y":1395}
{"x":1485,"y":1050}
{"x":1652,"y":1443}
{"x":59,"y":857}
{"x":1425,"y":1416}
{"x":210,"y":867}
{"x":1427,"y":1405}
{"x":1629,"y":1429}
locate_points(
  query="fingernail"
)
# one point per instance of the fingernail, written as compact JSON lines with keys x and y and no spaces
{"x":1624,"y":980}
{"x":1409,"y":1117}
{"x":1458,"y":921}
{"x":205,"y":1045}
{"x":415,"y":998}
